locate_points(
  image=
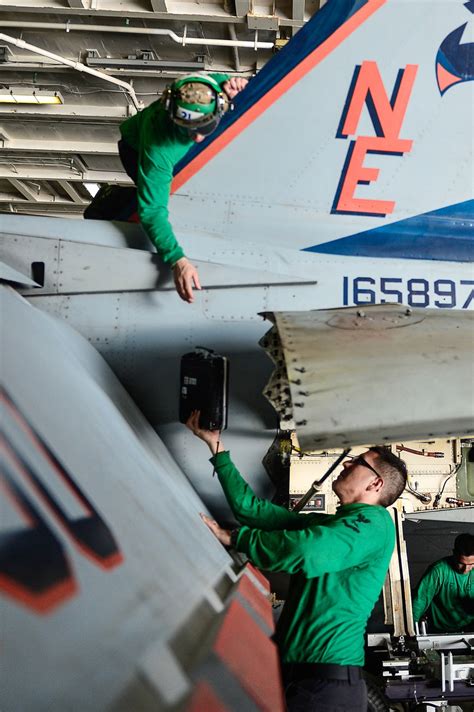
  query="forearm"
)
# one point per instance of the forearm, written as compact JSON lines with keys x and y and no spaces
{"x":160,"y":232}
{"x":267,"y":550}
{"x":246,"y":506}
{"x":421,"y":603}
{"x":324,"y":546}
{"x":425,"y":592}
{"x":153,"y":192}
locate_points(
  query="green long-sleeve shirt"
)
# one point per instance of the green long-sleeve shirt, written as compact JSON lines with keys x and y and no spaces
{"x":160,"y":145}
{"x":338,"y":565}
{"x":448,"y":596}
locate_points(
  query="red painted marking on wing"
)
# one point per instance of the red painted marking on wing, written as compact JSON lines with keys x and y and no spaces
{"x":259,"y":602}
{"x":204,"y":699}
{"x":27,"y":429}
{"x":109,"y":562}
{"x":259,"y":576}
{"x":252,"y":657}
{"x":41,"y":603}
{"x":16,"y":504}
{"x":105,"y":563}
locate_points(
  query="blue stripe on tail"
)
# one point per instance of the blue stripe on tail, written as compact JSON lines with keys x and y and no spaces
{"x":444,"y":234}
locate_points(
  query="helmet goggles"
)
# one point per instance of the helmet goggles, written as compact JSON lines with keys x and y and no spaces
{"x":204,"y":129}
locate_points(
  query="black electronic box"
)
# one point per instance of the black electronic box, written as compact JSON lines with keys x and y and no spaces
{"x":204,"y":386}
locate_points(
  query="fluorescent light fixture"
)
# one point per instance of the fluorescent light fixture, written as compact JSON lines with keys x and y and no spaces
{"x":28,"y":96}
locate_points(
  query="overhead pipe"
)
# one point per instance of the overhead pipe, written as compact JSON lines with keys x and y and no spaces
{"x":183,"y":40}
{"x":75,"y":65}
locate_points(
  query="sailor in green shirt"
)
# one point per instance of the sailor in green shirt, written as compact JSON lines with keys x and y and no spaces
{"x":338,"y":564}
{"x":155,"y":140}
{"x":446,"y":591}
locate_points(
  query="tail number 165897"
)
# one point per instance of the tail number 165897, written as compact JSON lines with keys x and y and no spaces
{"x":416,"y":292}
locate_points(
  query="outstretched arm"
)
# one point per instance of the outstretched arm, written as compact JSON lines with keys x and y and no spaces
{"x":153,"y":190}
{"x":246,"y":506}
{"x":341,"y":542}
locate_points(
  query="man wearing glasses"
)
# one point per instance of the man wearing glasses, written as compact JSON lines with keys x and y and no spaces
{"x":338,"y":565}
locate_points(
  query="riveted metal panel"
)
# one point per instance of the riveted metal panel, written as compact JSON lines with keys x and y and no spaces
{"x":65,"y":396}
{"x":383,"y":373}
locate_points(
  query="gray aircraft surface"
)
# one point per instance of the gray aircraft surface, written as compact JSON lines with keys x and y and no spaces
{"x":309,"y":226}
{"x":116,"y":596}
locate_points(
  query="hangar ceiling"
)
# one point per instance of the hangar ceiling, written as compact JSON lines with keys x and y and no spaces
{"x":124,"y":52}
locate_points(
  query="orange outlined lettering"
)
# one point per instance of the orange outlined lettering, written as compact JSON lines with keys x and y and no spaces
{"x":387,"y":117}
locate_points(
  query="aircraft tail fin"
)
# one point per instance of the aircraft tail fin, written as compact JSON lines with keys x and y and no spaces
{"x":350,"y":128}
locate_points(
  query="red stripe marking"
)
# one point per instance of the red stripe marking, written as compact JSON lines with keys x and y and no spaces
{"x":28,"y":430}
{"x":16,"y":503}
{"x":257,"y":600}
{"x":288,"y":81}
{"x":41,"y":603}
{"x":252,"y":657}
{"x":204,"y":699}
{"x":259,"y":576}
{"x":111,"y":561}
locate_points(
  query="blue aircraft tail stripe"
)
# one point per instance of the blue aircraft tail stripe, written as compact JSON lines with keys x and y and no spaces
{"x":444,"y":234}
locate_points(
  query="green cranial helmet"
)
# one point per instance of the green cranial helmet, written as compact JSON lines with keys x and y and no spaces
{"x":196,"y":102}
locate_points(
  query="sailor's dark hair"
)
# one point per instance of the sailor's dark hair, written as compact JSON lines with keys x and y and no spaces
{"x":394,"y":474}
{"x":464,"y":545}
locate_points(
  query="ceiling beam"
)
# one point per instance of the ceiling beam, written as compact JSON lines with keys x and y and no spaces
{"x":158,"y":5}
{"x":45,"y":201}
{"x":242,"y":7}
{"x":50,"y":209}
{"x":297,"y":10}
{"x":68,"y":146}
{"x":73,"y":174}
{"x":24,"y":190}
{"x":72,"y":192}
{"x":96,"y":112}
{"x":211,"y":13}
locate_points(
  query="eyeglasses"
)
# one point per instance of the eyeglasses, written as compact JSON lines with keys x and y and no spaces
{"x":359,"y":460}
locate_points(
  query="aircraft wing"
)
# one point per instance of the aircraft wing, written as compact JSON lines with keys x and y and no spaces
{"x":108,"y":577}
{"x":379,"y":374}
